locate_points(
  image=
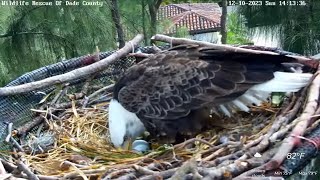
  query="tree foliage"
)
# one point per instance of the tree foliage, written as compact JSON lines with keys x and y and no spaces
{"x":34,"y":36}
{"x":297,"y":26}
{"x":238,"y":33}
{"x":37,"y":35}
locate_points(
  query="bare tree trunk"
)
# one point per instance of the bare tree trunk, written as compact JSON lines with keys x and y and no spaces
{"x":143,"y":10}
{"x":153,"y":8}
{"x":311,"y":10}
{"x":116,"y":19}
{"x":223,"y":22}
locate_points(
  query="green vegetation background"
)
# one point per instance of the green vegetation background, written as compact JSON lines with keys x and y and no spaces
{"x":32,"y":37}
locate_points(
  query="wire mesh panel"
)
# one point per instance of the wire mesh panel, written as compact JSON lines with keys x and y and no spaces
{"x":16,"y":108}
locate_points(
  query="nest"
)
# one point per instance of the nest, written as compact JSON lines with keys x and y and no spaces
{"x":72,"y":142}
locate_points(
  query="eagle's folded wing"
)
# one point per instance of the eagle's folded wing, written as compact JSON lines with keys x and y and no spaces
{"x":174,"y":82}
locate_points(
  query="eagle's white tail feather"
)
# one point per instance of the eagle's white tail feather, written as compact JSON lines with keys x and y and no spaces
{"x":248,"y":99}
{"x":240,"y":105}
{"x":282,"y":82}
{"x":261,"y":95}
{"x":224,"y":110}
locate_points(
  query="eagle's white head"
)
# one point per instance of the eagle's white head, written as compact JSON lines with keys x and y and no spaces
{"x":124,"y":126}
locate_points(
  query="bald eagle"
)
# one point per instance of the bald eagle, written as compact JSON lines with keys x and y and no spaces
{"x":172,"y":92}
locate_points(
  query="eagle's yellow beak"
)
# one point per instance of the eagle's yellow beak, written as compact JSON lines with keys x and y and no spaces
{"x":127,"y":144}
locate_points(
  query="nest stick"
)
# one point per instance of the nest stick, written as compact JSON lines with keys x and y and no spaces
{"x":293,"y":101}
{"x":168,"y":39}
{"x":163,"y":174}
{"x":21,"y":131}
{"x":140,"y":55}
{"x":238,"y":166}
{"x":215,"y":154}
{"x":74,"y":74}
{"x":261,"y":143}
{"x":42,"y":177}
{"x":253,"y":142}
{"x":106,"y":88}
{"x":188,"y":167}
{"x":16,"y":144}
{"x":156,"y":49}
{"x":76,"y":174}
{"x":143,"y":170}
{"x":221,"y":146}
{"x":85,"y":88}
{"x":66,"y":105}
{"x":286,"y":116}
{"x":26,"y":170}
{"x":282,"y":132}
{"x":2,"y":169}
{"x":117,"y":173}
{"x":305,"y":118}
{"x":9,"y":167}
{"x":257,"y":163}
{"x":173,"y":40}
{"x":193,"y":140}
{"x":68,"y":163}
{"x":59,"y":95}
{"x":219,"y":160}
{"x":9,"y":132}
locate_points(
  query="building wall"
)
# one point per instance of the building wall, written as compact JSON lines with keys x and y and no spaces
{"x":213,"y":37}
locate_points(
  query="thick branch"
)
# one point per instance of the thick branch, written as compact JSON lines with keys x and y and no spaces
{"x":75,"y":74}
{"x":175,"y":41}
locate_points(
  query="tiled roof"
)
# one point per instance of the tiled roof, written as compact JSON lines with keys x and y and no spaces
{"x":197,"y":17}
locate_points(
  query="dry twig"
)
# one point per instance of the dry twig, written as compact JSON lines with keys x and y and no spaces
{"x":190,"y":141}
{"x":26,"y":170}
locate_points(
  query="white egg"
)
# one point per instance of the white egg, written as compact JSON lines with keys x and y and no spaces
{"x":140,"y":146}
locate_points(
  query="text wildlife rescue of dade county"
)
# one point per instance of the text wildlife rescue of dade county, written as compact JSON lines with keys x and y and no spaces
{"x":266,"y":3}
{"x":56,"y":3}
